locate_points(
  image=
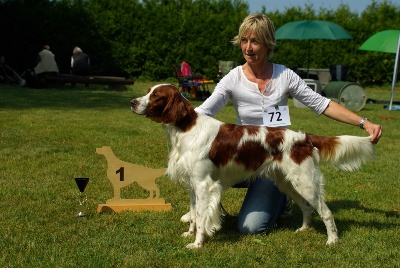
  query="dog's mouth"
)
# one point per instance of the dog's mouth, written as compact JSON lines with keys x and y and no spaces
{"x":136,"y":109}
{"x":149,"y":114}
{"x":145,"y":113}
{"x":133,"y":109}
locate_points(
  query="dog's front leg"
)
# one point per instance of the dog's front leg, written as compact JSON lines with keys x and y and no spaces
{"x":192,"y":212}
{"x":201,"y":191}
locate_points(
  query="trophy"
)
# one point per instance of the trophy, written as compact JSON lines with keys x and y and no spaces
{"x":122,"y":174}
{"x":81,"y":197}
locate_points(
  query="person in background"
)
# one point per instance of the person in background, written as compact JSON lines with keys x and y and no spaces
{"x":46,"y":63}
{"x":80,"y":62}
{"x":8,"y":75}
{"x":256,"y":88}
{"x":46,"y":66}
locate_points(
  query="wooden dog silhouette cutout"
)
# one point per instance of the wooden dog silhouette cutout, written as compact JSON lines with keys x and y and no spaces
{"x":122,"y":174}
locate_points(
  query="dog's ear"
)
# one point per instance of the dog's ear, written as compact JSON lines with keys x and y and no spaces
{"x":177,"y":106}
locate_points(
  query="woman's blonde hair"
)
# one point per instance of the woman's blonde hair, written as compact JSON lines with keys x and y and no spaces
{"x":262,"y":27}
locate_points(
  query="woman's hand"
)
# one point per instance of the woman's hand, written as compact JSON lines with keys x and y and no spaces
{"x":374,"y":130}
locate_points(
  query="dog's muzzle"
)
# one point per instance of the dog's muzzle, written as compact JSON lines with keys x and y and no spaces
{"x":137,"y":106}
{"x":134,"y":103}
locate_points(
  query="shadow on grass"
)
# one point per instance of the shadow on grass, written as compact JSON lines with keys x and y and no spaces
{"x":60,"y":98}
{"x":230,"y":233}
{"x":347,"y":224}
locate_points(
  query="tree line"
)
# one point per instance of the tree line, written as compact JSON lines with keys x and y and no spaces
{"x":143,"y":39}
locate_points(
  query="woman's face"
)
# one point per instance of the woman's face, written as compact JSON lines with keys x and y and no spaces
{"x":254,"y":51}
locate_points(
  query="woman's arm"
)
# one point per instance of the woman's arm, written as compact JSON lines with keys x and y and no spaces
{"x":220,"y":97}
{"x":344,"y":115}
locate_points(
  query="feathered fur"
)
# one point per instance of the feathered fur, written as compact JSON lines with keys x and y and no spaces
{"x":211,"y":156}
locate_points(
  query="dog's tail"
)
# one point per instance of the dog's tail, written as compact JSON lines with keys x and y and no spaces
{"x":346,"y":152}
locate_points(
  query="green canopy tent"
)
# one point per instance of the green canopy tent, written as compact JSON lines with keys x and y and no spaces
{"x":309,"y":30}
{"x":386,"y":41}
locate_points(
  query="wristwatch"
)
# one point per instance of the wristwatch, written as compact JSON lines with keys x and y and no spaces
{"x":362,"y":121}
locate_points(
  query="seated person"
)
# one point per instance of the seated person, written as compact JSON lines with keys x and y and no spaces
{"x":80,"y":62}
{"x":46,"y":63}
{"x":46,"y":66}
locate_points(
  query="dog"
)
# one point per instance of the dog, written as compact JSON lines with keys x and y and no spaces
{"x":210,"y":156}
{"x":122,"y":174}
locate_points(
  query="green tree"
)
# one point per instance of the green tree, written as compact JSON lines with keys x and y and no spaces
{"x":142,"y":39}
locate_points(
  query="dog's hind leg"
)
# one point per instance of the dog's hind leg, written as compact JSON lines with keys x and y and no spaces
{"x":327,"y":217}
{"x":286,"y":187}
{"x":308,"y":184}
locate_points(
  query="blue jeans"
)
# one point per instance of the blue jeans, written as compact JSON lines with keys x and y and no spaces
{"x":261,"y":207}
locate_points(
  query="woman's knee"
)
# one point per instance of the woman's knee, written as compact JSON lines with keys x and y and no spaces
{"x":261,"y":207}
{"x":255,"y":222}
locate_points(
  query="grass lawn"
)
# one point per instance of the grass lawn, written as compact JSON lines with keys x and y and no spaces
{"x":49,"y":136}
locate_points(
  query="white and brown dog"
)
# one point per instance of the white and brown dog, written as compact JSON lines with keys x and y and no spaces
{"x":211,"y":156}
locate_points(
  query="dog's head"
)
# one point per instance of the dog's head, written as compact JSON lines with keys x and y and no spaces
{"x":164,"y":104}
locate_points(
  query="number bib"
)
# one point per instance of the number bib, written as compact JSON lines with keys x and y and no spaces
{"x":276,"y":116}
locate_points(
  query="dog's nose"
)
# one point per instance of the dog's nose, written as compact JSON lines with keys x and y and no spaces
{"x":134,"y":102}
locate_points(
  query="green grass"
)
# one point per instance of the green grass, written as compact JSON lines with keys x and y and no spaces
{"x":49,"y":137}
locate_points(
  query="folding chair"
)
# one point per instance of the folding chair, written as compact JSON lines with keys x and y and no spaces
{"x":186,"y":83}
{"x":187,"y":71}
{"x":189,"y":83}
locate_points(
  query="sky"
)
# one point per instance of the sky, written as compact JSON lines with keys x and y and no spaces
{"x":281,"y":5}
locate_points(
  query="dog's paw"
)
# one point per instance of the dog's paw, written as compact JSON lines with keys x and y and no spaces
{"x":194,"y":245}
{"x":186,"y":217}
{"x":301,"y":229}
{"x":187,"y":234}
{"x":332,"y":240}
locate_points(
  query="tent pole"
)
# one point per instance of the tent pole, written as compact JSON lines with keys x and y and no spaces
{"x":308,"y":58}
{"x":396,"y":63}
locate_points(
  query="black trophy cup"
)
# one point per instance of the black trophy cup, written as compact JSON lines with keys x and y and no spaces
{"x":81,"y":197}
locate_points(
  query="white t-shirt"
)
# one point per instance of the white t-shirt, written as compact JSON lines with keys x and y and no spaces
{"x":249,"y":102}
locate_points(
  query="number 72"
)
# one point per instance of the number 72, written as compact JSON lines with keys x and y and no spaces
{"x":276,"y":115}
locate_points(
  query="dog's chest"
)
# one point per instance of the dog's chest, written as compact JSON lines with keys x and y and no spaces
{"x":189,"y":151}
